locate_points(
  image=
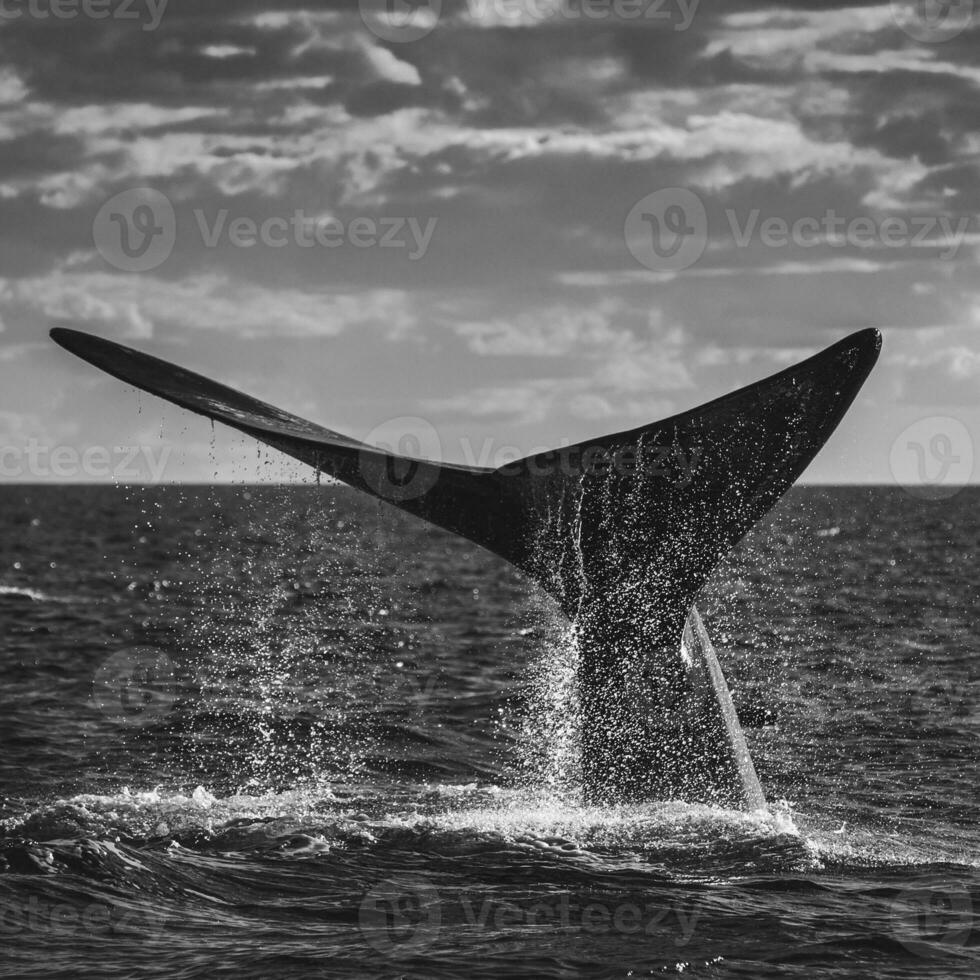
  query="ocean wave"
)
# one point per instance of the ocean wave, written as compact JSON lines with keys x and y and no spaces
{"x":22,"y":592}
{"x":455,"y":819}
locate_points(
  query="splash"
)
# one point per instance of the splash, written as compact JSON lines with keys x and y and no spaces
{"x":447,"y":818}
{"x":286,"y":647}
{"x":631,"y":703}
{"x":550,"y":746}
{"x":18,"y":592}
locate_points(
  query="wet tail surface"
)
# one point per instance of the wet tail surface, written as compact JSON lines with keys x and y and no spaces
{"x":623,"y":531}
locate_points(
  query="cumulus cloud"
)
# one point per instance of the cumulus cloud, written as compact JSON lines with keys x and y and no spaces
{"x":554,"y":331}
{"x":132,"y":307}
{"x":944,"y":377}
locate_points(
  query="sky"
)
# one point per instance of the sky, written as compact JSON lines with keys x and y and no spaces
{"x":494,"y":225}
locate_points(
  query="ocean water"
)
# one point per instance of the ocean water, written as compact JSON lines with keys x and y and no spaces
{"x":264,"y":731}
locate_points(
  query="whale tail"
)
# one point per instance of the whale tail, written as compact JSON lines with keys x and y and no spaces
{"x":622,"y":530}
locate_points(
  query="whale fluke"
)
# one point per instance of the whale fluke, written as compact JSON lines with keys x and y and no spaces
{"x":622,"y":530}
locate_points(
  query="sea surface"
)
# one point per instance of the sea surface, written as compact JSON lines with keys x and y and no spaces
{"x":261,"y":731}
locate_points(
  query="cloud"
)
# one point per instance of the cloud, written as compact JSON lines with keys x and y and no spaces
{"x":19,"y":428}
{"x":529,"y":142}
{"x":943,"y":377}
{"x":133,"y":307}
{"x":528,"y":403}
{"x":608,"y":360}
{"x":550,"y":332}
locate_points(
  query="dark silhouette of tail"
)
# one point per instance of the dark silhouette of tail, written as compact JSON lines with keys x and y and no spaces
{"x":622,"y":530}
